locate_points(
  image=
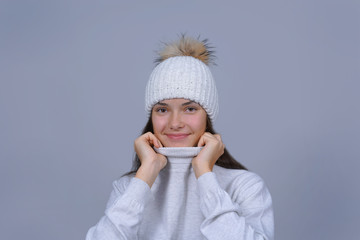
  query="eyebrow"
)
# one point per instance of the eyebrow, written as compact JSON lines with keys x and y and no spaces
{"x":165,"y":104}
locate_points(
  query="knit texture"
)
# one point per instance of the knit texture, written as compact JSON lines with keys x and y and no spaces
{"x":183,"y":77}
{"x":223,"y":204}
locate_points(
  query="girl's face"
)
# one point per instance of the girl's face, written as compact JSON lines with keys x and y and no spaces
{"x":178,"y":122}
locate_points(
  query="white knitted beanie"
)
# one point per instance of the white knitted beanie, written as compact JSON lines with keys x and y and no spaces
{"x":181,"y":74}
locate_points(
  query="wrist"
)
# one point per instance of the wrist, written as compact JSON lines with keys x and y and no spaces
{"x":148,"y":173}
{"x":200,"y":170}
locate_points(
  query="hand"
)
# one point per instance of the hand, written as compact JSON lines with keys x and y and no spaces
{"x":206,"y":159}
{"x":151,"y":162}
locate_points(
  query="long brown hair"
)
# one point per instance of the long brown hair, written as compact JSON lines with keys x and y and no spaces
{"x":225,"y":160}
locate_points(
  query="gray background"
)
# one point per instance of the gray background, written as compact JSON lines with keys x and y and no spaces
{"x":72,"y":80}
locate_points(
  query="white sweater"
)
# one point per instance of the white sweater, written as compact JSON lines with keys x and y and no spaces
{"x":222,"y":204}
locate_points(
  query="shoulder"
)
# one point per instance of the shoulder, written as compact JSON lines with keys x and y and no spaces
{"x":119,"y":186}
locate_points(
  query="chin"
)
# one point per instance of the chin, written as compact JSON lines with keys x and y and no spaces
{"x":179,"y":144}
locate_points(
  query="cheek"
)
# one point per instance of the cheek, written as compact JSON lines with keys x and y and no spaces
{"x":198,"y":124}
{"x":158,"y":124}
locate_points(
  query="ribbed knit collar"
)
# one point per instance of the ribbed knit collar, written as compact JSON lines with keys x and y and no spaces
{"x":179,"y":158}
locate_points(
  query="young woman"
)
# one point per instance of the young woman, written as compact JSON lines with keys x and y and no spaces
{"x":184,"y":184}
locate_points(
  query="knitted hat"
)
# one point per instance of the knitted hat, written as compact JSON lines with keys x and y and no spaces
{"x":183,"y":72}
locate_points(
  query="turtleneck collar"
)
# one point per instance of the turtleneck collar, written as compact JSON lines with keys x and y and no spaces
{"x":179,"y":158}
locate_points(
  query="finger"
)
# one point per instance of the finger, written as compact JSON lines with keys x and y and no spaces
{"x":218,"y":137}
{"x":150,"y":139}
{"x":155,"y":141}
{"x":210,"y":137}
{"x":209,"y":134}
{"x":201,"y":141}
{"x":160,"y":144}
{"x":213,"y":136}
{"x":147,"y":137}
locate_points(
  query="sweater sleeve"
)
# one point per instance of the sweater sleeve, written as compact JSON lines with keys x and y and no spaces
{"x":244,"y":214}
{"x":124,"y":211}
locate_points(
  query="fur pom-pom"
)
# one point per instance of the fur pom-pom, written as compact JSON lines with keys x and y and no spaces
{"x":187,"y":46}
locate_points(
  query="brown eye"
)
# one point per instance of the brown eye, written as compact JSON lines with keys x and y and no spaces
{"x":191,"y":109}
{"x":161,"y":110}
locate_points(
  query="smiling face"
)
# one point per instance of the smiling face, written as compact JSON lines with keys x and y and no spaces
{"x":178,"y":122}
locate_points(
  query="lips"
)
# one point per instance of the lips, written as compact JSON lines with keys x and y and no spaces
{"x":177,"y":136}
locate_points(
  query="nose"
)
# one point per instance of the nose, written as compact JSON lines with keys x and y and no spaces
{"x":175,"y":121}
